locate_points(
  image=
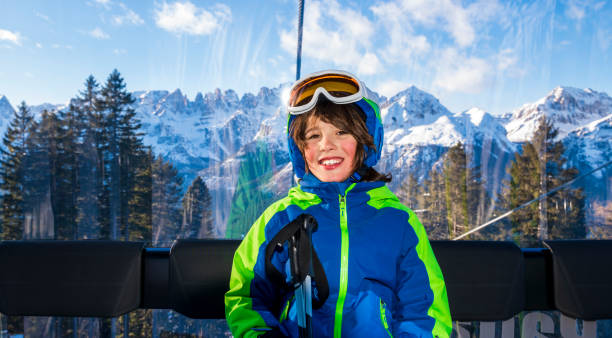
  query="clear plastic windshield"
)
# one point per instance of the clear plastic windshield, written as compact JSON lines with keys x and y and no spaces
{"x":156,"y":121}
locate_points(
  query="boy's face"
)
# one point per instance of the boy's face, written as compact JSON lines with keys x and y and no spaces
{"x":329,"y":151}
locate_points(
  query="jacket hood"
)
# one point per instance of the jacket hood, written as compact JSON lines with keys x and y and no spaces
{"x":375,"y":128}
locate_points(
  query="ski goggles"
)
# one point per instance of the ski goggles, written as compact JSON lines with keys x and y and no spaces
{"x":337,"y":86}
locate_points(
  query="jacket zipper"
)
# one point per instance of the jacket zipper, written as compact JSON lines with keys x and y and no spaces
{"x":343,"y":267}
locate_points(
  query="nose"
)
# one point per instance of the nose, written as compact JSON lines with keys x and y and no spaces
{"x":327,"y":142}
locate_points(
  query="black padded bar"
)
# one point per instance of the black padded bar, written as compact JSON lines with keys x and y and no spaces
{"x":484,"y":279}
{"x":199,"y":276}
{"x":102,"y":278}
{"x":583,"y":277}
{"x":155,"y":285}
{"x":70,"y":278}
{"x":539,"y":294}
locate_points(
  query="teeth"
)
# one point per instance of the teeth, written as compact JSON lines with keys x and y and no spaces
{"x":330,"y":162}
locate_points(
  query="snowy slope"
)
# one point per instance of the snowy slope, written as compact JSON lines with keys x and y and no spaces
{"x":204,"y":132}
{"x":568,"y":108}
{"x":590,"y":147}
{"x":419,"y":130}
{"x":6,"y":113}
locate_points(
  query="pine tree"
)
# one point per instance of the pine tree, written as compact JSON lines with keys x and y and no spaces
{"x":536,"y":171}
{"x":166,"y":201}
{"x":465,"y":194}
{"x":124,"y":174}
{"x":566,"y":210}
{"x":602,"y":222}
{"x":140,"y":197}
{"x":523,"y":187}
{"x":91,"y":201}
{"x":70,"y":128}
{"x":434,"y":205}
{"x":43,"y":203}
{"x":197,"y":211}
{"x":409,"y":192}
{"x":455,"y":182}
{"x":121,"y":153}
{"x":12,"y":172}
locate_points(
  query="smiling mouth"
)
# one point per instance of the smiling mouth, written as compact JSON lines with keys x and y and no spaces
{"x":330,"y":163}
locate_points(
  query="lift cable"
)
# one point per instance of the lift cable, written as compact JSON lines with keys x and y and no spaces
{"x":299,"y":39}
{"x":480,"y":227}
{"x":298,"y":62}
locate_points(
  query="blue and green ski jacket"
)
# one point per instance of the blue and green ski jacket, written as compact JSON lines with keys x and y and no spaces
{"x":383,"y":277}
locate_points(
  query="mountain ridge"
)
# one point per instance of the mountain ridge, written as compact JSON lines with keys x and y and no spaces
{"x":209,"y":135}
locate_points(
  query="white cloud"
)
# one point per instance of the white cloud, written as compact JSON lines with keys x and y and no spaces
{"x":506,"y":59}
{"x":57,"y":46}
{"x":337,"y":35}
{"x":576,"y":10}
{"x":369,"y":64}
{"x":604,"y":38}
{"x":508,"y":63}
{"x":119,"y":51}
{"x":407,"y":22}
{"x":128,"y":16}
{"x":39,"y":45}
{"x":391,"y":87}
{"x":187,"y":18}
{"x":484,"y":11}
{"x":459,"y":73}
{"x":404,"y":44}
{"x":99,"y":34}
{"x":445,"y":14}
{"x":6,"y":35}
{"x":42,"y":16}
{"x":105,"y":3}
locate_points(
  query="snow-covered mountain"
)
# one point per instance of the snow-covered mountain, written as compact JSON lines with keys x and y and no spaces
{"x":211,"y":135}
{"x":6,"y":113}
{"x":584,"y":120}
{"x":588,"y":148}
{"x":568,"y":108}
{"x":419,"y":130}
{"x":205,"y":132}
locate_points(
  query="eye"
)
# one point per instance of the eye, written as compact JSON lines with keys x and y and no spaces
{"x":342,"y":132}
{"x":312,"y":136}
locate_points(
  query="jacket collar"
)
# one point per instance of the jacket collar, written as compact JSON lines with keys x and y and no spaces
{"x":331,"y":190}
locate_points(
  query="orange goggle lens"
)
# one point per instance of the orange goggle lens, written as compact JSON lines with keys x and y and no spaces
{"x":336,"y":85}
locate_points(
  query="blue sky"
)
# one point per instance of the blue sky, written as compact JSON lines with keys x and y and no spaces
{"x":488,"y":54}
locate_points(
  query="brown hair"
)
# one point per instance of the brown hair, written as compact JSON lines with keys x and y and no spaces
{"x":346,"y":117}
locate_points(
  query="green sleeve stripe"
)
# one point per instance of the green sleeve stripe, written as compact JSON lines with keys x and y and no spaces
{"x":238,"y":302}
{"x":383,"y":318}
{"x":439,"y":310}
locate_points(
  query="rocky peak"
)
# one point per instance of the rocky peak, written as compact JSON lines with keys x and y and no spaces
{"x":266,"y":96}
{"x":411,"y":106}
{"x":231,"y":99}
{"x":565,"y":107}
{"x":6,"y":109}
{"x":248,"y":101}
